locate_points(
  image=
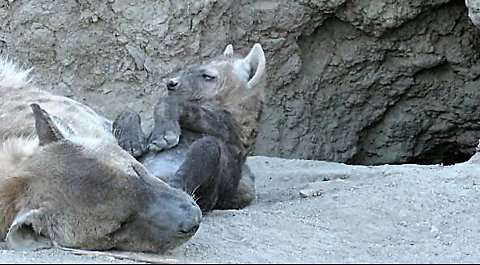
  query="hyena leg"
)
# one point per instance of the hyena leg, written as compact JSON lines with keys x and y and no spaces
{"x":200,"y":174}
{"x":173,"y":114}
{"x":244,"y":194}
{"x":128,"y":131}
{"x":166,"y":131}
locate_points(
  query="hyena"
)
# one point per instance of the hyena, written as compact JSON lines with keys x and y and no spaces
{"x":64,"y":180}
{"x":204,"y":130}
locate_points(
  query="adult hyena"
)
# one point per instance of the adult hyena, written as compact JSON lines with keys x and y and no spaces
{"x":204,"y":130}
{"x":64,"y":179}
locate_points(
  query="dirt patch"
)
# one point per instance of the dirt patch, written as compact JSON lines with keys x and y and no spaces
{"x":323,"y":212}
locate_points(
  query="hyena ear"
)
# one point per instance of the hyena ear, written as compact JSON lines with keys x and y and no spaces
{"x":255,"y":60}
{"x":25,"y":233}
{"x":46,"y":129}
{"x":228,"y":51}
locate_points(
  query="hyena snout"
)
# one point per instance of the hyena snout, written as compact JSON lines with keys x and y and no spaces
{"x":192,"y":221}
{"x":172,"y":84}
{"x":177,"y":212}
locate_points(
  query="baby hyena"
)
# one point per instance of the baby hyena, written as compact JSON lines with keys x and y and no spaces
{"x":204,"y":130}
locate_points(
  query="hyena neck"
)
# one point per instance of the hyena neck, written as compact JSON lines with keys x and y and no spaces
{"x":247,"y":111}
{"x":14,"y":180}
{"x":14,"y":152}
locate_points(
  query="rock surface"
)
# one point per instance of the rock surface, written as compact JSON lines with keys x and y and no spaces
{"x":362,"y":82}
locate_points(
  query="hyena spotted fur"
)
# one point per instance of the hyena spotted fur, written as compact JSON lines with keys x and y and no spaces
{"x":204,"y":130}
{"x":64,"y":180}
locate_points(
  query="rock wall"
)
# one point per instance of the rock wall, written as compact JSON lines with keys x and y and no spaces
{"x":356,"y":81}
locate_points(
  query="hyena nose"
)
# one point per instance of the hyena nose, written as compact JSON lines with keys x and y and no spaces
{"x":192,"y":221}
{"x":172,"y":84}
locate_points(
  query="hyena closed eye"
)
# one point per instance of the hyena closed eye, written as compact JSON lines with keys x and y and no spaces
{"x":204,"y":129}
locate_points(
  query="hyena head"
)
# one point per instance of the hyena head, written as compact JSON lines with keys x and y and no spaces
{"x":223,"y":80}
{"x":90,"y":194}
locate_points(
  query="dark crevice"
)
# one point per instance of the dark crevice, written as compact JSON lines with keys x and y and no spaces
{"x":445,"y":153}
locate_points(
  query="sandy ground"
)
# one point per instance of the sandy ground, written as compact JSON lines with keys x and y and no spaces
{"x":322,"y":212}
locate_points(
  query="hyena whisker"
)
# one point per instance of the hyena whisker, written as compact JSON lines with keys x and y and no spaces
{"x":196,"y":198}
{"x":194,"y":190}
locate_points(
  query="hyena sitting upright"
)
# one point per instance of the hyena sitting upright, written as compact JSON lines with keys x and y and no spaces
{"x":204,"y":130}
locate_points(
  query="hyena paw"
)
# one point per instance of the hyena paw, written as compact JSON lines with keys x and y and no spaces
{"x":164,"y":138}
{"x":128,"y":132}
{"x":133,"y":144}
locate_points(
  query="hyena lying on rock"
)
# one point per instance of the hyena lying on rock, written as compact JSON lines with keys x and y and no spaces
{"x":64,"y":180}
{"x":204,"y":130}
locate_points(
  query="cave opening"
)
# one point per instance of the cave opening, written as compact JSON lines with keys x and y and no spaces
{"x":444,"y":153}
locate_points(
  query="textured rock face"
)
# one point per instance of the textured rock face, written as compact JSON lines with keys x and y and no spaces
{"x":354,"y":81}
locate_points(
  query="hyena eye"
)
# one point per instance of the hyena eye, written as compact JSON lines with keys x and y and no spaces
{"x":208,"y":77}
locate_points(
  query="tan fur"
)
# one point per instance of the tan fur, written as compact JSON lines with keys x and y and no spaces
{"x":13,"y":183}
{"x":11,"y":188}
{"x":234,"y":95}
{"x":17,"y":132}
{"x":247,"y":110}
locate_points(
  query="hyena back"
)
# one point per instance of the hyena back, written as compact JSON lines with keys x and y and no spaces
{"x":204,"y":129}
{"x":64,"y":180}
